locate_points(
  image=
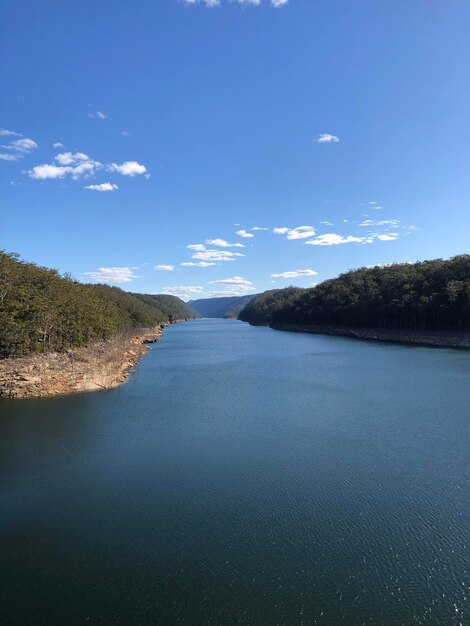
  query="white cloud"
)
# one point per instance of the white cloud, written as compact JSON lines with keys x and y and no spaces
{"x":387,"y":237}
{"x":71,"y":158}
{"x":57,"y":144}
{"x":326,"y":223}
{"x":244,"y":233}
{"x":100,"y":115}
{"x":76,"y":165}
{"x":236,"y":280}
{"x":197,"y":264}
{"x":221,"y":243}
{"x":327,"y":138}
{"x":102,"y":187}
{"x":80,"y":165}
{"x":9,"y":133}
{"x":41,"y":172}
{"x":164,"y":268}
{"x":300,"y":232}
{"x":24,"y":145}
{"x":19,"y":147}
{"x":380,"y":223}
{"x":330,"y":239}
{"x":112,"y":275}
{"x":259,"y":228}
{"x":186,"y":292}
{"x":295,"y":274}
{"x":215,"y":255}
{"x":217,"y":3}
{"x":201,"y":253}
{"x":128,"y":168}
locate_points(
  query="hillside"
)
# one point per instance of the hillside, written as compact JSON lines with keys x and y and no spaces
{"x":42,"y":311}
{"x":227,"y":307}
{"x":172,"y":307}
{"x":426,"y":296}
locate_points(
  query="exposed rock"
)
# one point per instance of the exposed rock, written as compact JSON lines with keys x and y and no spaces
{"x":99,"y":366}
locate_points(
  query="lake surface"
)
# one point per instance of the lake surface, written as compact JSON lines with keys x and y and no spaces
{"x":244,"y":476}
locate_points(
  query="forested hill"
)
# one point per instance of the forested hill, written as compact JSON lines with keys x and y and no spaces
{"x":172,"y":307}
{"x":430,"y":295}
{"x":227,"y":307}
{"x":42,"y":311}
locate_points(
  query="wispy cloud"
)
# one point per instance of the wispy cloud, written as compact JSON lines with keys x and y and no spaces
{"x":17,"y":148}
{"x":300,"y":232}
{"x":327,"y":138}
{"x":370,"y":222}
{"x":197,"y":264}
{"x":295,"y":274}
{"x":217,"y":3}
{"x":98,"y":114}
{"x":164,"y":268}
{"x":331,"y":239}
{"x":235,"y":286}
{"x":186,"y":292}
{"x":4,"y":132}
{"x":221,"y":243}
{"x":259,"y":228}
{"x":58,"y":145}
{"x":102,"y":187}
{"x":112,"y":275}
{"x":244,"y":234}
{"x":201,"y":253}
{"x":236,"y":280}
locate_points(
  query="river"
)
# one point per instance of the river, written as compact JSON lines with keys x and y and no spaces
{"x":244,"y":476}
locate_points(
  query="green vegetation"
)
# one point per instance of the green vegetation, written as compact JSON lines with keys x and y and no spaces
{"x":431,"y":295}
{"x":42,"y":311}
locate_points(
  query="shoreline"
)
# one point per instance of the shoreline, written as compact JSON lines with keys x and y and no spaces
{"x":96,"y":367}
{"x":434,"y":339}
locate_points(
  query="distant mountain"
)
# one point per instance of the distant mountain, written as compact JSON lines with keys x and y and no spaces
{"x":227,"y":307}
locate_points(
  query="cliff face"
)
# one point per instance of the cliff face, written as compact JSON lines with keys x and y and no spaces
{"x":93,"y":368}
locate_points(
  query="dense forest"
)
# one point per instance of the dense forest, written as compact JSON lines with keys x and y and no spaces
{"x":42,"y":311}
{"x":430,"y":295}
{"x":227,"y":307}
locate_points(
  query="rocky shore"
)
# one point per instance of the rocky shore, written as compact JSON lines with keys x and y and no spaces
{"x":428,"y":338}
{"x":92,"y":368}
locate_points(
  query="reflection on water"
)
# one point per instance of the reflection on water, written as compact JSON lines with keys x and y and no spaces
{"x":244,"y":475}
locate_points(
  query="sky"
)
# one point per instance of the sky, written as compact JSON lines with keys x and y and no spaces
{"x":227,"y":147}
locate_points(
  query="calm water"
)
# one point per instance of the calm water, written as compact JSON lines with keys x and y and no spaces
{"x":244,"y":476}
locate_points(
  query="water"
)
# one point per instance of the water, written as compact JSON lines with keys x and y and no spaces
{"x":244,"y":476}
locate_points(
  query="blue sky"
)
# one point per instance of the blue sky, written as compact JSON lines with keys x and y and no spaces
{"x":132,"y":131}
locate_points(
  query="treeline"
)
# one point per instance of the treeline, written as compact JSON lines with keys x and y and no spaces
{"x":430,"y":295}
{"x":42,"y":311}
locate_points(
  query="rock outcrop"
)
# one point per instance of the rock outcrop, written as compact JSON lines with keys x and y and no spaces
{"x":99,"y":366}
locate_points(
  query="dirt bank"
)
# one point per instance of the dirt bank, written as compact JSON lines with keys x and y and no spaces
{"x":92,"y":368}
